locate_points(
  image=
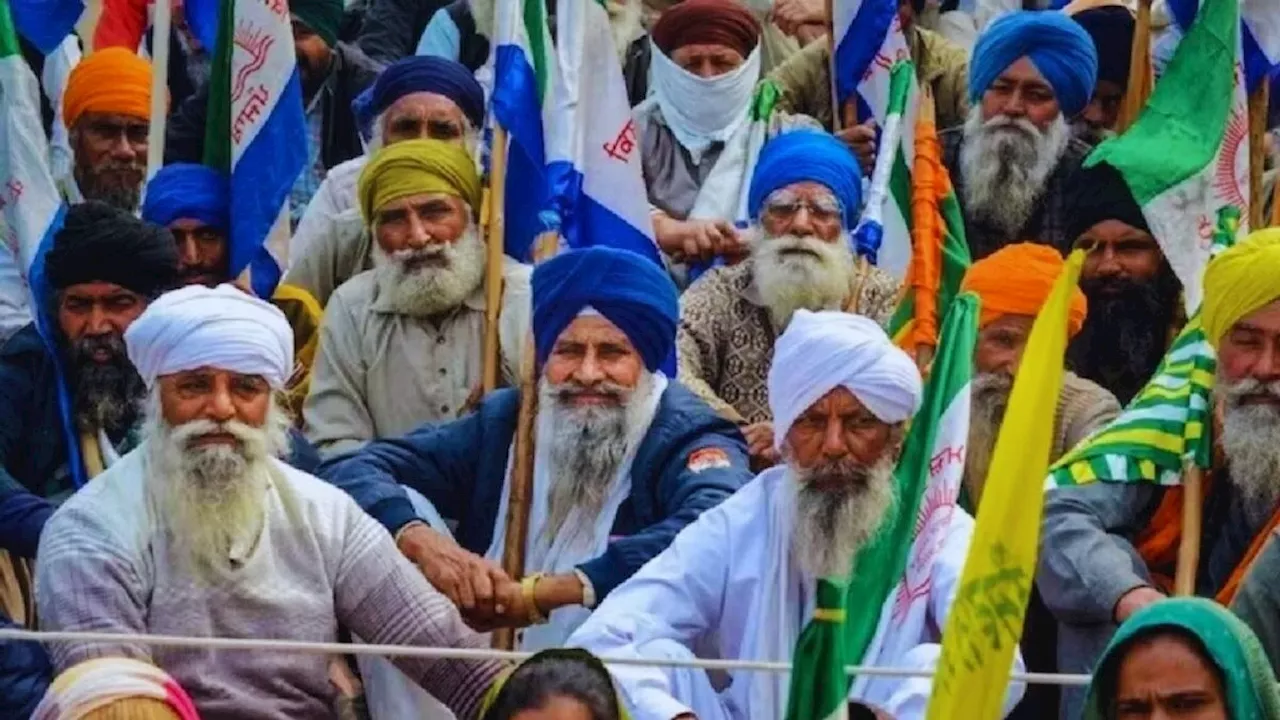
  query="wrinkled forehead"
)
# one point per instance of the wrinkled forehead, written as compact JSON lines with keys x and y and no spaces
{"x":424,"y":105}
{"x":592,"y":328}
{"x":1023,"y":73}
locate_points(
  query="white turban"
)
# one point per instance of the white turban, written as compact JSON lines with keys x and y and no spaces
{"x":223,"y":328}
{"x":821,"y":351}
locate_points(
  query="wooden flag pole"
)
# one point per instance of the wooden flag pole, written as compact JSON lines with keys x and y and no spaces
{"x":519,"y":502}
{"x":1184,"y":583}
{"x":496,"y":217}
{"x":1258,"y":101}
{"x":1275,"y":204}
{"x":160,"y":25}
{"x":838,"y":119}
{"x":1140,"y":75}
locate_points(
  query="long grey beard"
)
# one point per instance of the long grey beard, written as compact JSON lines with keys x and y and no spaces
{"x":1251,"y":442}
{"x":988,"y":402}
{"x":586,"y":449}
{"x":108,"y":395}
{"x":839,"y":508}
{"x":212,"y":497}
{"x":1005,"y":163}
{"x":430,"y":290}
{"x":788,"y":282}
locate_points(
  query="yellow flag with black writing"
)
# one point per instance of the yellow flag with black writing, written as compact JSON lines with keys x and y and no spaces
{"x":982,"y":630}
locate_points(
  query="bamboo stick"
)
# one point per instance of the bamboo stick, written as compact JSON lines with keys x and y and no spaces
{"x":838,"y":120}
{"x":518,"y":504}
{"x":1275,"y":204}
{"x":1184,"y":583}
{"x":496,"y":217}
{"x":1258,"y":101}
{"x":1140,"y":75}
{"x":160,"y":31}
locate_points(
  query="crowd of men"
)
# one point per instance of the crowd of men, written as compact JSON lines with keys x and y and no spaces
{"x":711,"y":435}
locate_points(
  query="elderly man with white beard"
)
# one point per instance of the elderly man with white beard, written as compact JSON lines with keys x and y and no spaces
{"x":740,"y":583}
{"x":1109,"y":549}
{"x":202,"y":531}
{"x":805,"y":197}
{"x":402,"y":344}
{"x":625,"y":457}
{"x":413,"y":98}
{"x":1030,"y":75}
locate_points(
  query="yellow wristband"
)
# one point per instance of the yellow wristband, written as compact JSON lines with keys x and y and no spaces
{"x":526,"y":589}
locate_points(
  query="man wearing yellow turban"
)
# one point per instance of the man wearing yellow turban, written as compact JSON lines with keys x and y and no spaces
{"x":402,"y":344}
{"x":1111,"y":549}
{"x":1013,"y":283}
{"x":107,"y":108}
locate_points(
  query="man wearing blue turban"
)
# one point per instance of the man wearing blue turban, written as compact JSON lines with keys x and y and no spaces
{"x":194,"y":203}
{"x":1030,"y":75}
{"x":417,"y":97}
{"x":805,"y":197}
{"x":625,"y":457}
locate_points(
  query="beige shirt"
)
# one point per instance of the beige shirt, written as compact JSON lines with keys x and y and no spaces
{"x":381,"y":374}
{"x":336,"y":251}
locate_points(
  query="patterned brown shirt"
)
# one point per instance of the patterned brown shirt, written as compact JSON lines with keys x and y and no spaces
{"x":725,"y":340}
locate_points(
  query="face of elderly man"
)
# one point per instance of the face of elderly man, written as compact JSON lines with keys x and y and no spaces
{"x":431,"y":252}
{"x":842,"y":456}
{"x":425,"y":115}
{"x":1249,"y":388}
{"x":802,"y":255}
{"x":707,"y":60}
{"x":110,"y":157}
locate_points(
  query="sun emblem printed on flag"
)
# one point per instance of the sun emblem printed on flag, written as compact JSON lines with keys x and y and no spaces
{"x":1231,"y":168}
{"x":931,"y":529}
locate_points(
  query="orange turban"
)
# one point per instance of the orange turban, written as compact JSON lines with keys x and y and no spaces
{"x":1016,"y":280}
{"x":112,"y":80}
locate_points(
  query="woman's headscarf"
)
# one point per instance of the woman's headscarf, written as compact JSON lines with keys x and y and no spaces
{"x":1250,"y":686}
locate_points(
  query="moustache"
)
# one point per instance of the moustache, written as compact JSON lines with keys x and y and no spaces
{"x":838,"y":476}
{"x":187,"y":433}
{"x":86,"y":347}
{"x":565,"y":392}
{"x":414,"y":259}
{"x":1251,"y":390}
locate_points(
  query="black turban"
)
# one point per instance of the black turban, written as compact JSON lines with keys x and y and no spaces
{"x":1112,"y":31}
{"x":99,"y":243}
{"x":1100,"y":193}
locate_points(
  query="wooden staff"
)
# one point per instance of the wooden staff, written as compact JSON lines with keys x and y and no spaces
{"x":1258,"y":101}
{"x":496,"y":216}
{"x":159,"y":85}
{"x":1184,"y":583}
{"x":1140,"y":75}
{"x":1275,"y":204}
{"x":519,"y":502}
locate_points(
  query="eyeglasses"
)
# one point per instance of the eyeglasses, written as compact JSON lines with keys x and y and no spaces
{"x":784,"y":206}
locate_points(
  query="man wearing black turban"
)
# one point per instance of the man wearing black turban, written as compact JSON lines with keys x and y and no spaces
{"x":1111,"y":25}
{"x":1132,"y":291}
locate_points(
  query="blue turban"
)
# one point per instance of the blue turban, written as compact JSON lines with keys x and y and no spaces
{"x":1059,"y":48}
{"x":628,"y":289}
{"x":807,"y":156}
{"x":420,"y":74}
{"x":186,"y":190}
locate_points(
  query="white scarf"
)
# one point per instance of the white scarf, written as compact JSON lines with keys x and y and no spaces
{"x":701,"y":111}
{"x":562,"y":556}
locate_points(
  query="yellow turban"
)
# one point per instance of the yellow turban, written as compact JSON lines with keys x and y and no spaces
{"x":112,"y":80}
{"x":1239,"y":281}
{"x":1016,"y":280}
{"x":417,"y":166}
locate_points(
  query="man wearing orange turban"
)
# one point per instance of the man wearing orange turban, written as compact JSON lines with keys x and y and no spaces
{"x":107,"y":107}
{"x":1013,"y":283}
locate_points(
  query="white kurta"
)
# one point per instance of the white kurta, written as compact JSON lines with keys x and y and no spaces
{"x":706,"y":591}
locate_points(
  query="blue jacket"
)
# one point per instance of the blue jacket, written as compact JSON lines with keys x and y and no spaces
{"x":34,"y":472}
{"x":461,"y":466}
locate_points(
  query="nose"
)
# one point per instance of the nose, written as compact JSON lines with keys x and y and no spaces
{"x":1016,"y":105}
{"x":219,"y":407}
{"x":100,"y":322}
{"x":802,"y":221}
{"x":833,"y":444}
{"x":122,"y":149}
{"x":1267,"y":368}
{"x":589,"y":372}
{"x":1094,"y":114}
{"x":1108,"y":262}
{"x":188,"y":252}
{"x":418,"y":236}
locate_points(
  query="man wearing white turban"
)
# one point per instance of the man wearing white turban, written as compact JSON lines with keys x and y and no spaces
{"x":739,"y":583}
{"x":202,"y":531}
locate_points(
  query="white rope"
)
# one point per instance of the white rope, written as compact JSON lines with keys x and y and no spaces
{"x":318,"y":648}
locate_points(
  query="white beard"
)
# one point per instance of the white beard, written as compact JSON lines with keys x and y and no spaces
{"x":211,"y":498}
{"x":1251,"y":442}
{"x":430,"y":290}
{"x":586,"y":448}
{"x":988,"y":401}
{"x":788,"y":281}
{"x":1005,"y":163}
{"x":832,"y":520}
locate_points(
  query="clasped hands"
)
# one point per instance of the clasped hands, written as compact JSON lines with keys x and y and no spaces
{"x":486,"y":596}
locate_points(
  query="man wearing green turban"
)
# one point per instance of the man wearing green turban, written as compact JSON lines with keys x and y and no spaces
{"x":402,"y":344}
{"x":1110,"y":549}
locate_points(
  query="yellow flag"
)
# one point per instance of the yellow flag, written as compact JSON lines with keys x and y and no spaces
{"x":985,"y":622}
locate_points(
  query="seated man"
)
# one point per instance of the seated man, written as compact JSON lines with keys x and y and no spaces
{"x":1135,"y":308}
{"x":202,"y":531}
{"x":739,"y":583}
{"x":625,"y":457}
{"x":1106,"y":546}
{"x":194,"y":203}
{"x":412,"y":99}
{"x":403,"y":344}
{"x":805,"y":197}
{"x":1011,"y":162}
{"x":1013,"y":283}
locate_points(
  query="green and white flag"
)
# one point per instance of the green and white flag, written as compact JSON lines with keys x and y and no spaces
{"x":875,"y":615}
{"x":1187,"y":156}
